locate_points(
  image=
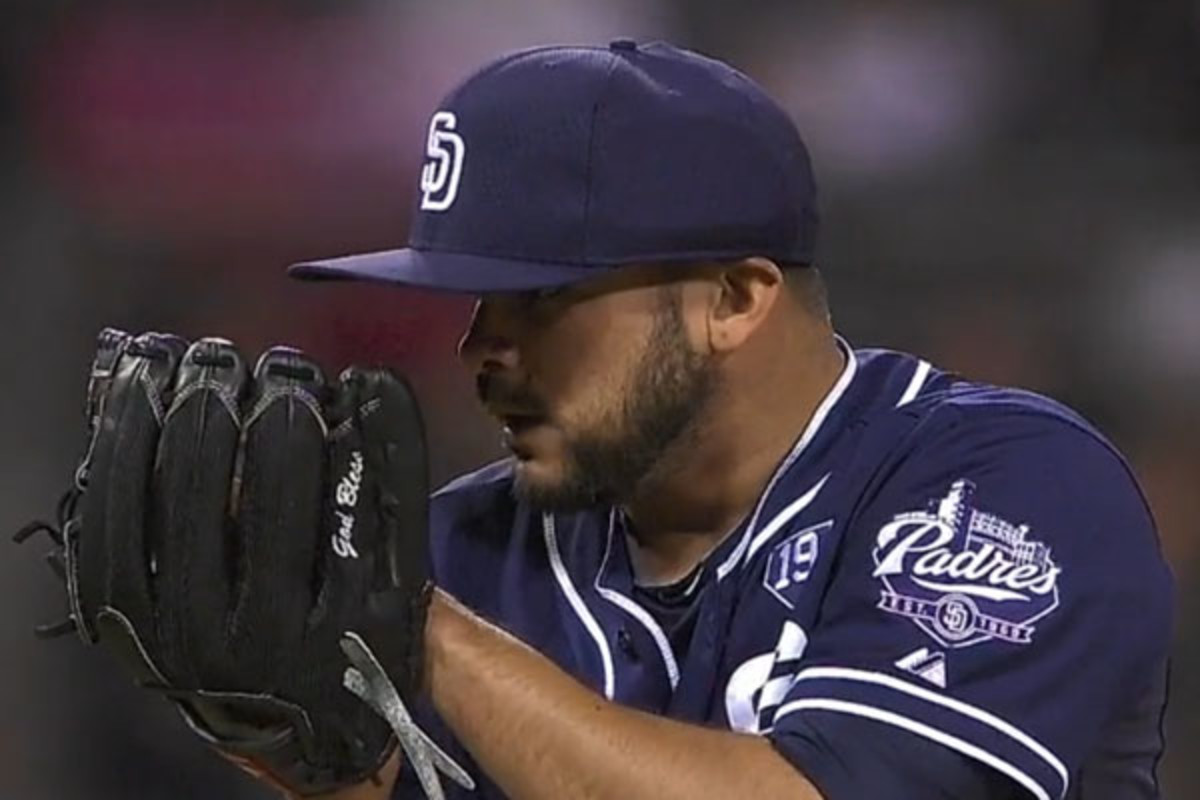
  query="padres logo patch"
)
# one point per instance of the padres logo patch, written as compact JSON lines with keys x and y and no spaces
{"x":964,"y":576}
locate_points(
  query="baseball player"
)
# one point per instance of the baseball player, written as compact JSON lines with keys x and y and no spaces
{"x":729,"y":556}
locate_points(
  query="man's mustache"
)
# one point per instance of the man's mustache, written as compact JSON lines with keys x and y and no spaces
{"x":495,"y":391}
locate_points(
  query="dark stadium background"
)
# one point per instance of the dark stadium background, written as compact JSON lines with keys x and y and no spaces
{"x":1010,"y":188}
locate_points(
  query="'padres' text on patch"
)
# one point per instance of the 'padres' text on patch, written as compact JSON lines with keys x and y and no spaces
{"x":962,"y":575}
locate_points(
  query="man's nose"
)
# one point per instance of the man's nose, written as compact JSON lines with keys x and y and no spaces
{"x":490,"y":340}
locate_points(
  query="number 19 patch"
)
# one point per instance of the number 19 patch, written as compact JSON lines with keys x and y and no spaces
{"x":792,"y":561}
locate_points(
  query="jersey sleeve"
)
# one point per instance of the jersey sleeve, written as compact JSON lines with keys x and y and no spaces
{"x":1000,"y":594}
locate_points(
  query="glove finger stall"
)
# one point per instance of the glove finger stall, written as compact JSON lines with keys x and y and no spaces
{"x":279,"y":509}
{"x":392,"y":434}
{"x":110,"y":343}
{"x":349,"y":550}
{"x":111,"y":561}
{"x":192,"y":531}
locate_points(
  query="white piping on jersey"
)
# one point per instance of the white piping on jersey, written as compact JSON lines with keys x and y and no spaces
{"x":809,"y":433}
{"x":634,"y":609}
{"x":691,"y":587}
{"x":920,"y":375}
{"x":921,"y":729}
{"x":785,"y":516}
{"x":577,"y":605}
{"x":921,"y":693}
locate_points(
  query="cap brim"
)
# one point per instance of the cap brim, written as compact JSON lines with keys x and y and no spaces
{"x":448,"y":272}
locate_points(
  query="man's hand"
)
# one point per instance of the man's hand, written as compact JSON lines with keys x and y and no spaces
{"x":378,"y":787}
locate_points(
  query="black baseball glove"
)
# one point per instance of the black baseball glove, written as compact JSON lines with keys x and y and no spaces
{"x":233,"y":538}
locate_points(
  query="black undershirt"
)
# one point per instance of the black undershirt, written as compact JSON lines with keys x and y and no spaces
{"x":674,"y":606}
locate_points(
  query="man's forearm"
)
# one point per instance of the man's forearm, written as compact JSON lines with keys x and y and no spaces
{"x":540,"y":734}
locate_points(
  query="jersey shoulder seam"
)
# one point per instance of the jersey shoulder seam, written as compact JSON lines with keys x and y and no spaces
{"x":1060,"y":416}
{"x":487,"y":476}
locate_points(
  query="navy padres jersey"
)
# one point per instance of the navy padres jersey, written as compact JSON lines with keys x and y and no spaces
{"x":946,"y":590}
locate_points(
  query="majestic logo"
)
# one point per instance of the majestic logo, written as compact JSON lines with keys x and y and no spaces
{"x":757,"y":687}
{"x":964,"y":576}
{"x":927,"y":665}
{"x":346,"y":495}
{"x":792,"y":561}
{"x":444,"y":151}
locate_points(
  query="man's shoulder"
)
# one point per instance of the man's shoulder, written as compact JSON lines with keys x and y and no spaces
{"x":952,"y":424}
{"x":496,"y":477}
{"x":1016,"y":415}
{"x":928,"y":399}
{"x":1028,"y":455}
{"x":483,"y":494}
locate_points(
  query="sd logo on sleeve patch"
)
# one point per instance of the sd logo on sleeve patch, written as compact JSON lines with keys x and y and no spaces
{"x":962,"y":575}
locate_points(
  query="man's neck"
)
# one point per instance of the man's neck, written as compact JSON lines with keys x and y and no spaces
{"x":702,"y":490}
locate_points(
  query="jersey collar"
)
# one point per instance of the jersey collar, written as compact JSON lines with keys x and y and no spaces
{"x":734,"y":555}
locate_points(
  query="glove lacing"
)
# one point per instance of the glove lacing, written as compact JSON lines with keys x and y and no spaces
{"x":370,"y":682}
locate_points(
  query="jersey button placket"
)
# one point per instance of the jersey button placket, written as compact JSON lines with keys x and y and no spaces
{"x":626,"y":645}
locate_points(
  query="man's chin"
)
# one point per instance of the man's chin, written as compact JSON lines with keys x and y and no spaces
{"x":544,"y":490}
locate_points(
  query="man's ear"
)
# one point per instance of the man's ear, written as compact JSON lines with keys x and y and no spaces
{"x":744,"y":293}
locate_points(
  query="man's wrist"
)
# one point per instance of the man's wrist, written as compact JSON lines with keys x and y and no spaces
{"x":378,"y":787}
{"x":445,"y":619}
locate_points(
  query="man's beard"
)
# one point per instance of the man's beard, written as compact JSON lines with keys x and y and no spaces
{"x":670,"y":387}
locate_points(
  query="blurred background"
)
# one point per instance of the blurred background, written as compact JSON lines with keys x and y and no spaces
{"x":1009,"y":188}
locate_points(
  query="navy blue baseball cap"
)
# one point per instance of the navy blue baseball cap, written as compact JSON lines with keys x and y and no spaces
{"x":557,"y":164}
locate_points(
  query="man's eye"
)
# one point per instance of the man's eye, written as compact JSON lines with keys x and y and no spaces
{"x":534,"y":296}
